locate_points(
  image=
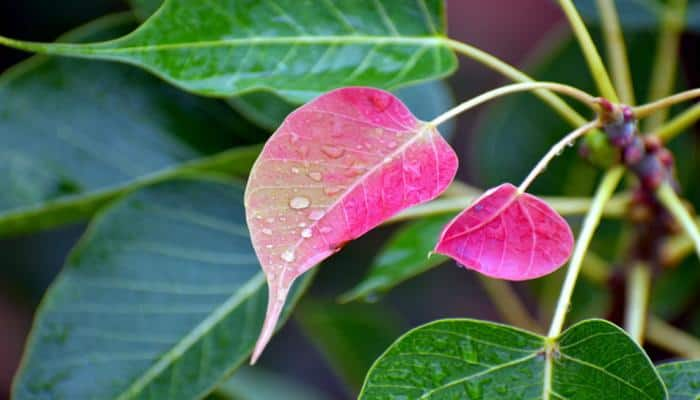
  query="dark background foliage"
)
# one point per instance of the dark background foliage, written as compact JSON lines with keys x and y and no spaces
{"x":513,"y":30}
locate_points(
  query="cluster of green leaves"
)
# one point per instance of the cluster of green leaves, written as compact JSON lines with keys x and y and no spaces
{"x":163,"y":296}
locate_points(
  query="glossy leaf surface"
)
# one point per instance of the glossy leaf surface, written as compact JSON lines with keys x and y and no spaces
{"x":336,"y":168}
{"x":161,"y":299}
{"x":405,"y":255}
{"x":508,"y":235}
{"x":468,"y":359}
{"x":682,"y":379}
{"x":295,"y":48}
{"x":76,"y":133}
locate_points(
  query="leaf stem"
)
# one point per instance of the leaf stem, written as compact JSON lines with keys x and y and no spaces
{"x":593,"y":59}
{"x":617,"y":51}
{"x":666,"y":60}
{"x":557,"y":149}
{"x":507,"y":70}
{"x":664,"y":335}
{"x":508,"y":304}
{"x":590,"y":223}
{"x":615,"y":208}
{"x":676,"y":248}
{"x":650,"y":108}
{"x":636,"y":306}
{"x":678,"y":124}
{"x":673,"y":203}
{"x":580,"y":95}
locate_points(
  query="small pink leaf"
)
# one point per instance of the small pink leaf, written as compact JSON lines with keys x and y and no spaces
{"x":336,"y":168}
{"x":508,"y":235}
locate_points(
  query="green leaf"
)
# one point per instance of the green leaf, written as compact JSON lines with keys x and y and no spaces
{"x":162,"y":298}
{"x":682,"y":379}
{"x":76,"y":133}
{"x":144,"y":8}
{"x":349,"y":336}
{"x":468,"y":359}
{"x":406,"y":254}
{"x":639,"y":14}
{"x":257,"y":384}
{"x":427,"y":101}
{"x":295,"y":48}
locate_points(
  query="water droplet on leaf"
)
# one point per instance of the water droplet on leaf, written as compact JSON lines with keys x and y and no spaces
{"x":288,"y":256}
{"x":317,"y":176}
{"x":306,"y":233}
{"x":299,"y":203}
{"x":332,"y":151}
{"x":315,"y":215}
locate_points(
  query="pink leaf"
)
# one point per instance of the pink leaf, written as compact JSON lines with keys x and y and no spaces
{"x":336,"y":168}
{"x":508,"y":235}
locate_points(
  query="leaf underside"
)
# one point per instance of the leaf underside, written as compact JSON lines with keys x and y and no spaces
{"x":468,"y":359}
{"x":295,"y":48}
{"x":161,"y":299}
{"x":336,"y":168}
{"x":508,"y":235}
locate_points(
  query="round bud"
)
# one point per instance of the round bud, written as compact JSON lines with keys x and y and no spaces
{"x":634,"y":152}
{"x":621,"y":134}
{"x":650,"y":171}
{"x":652,"y":143}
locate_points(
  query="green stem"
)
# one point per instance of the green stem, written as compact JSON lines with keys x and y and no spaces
{"x":638,"y":288}
{"x":590,"y":223}
{"x":580,"y":95}
{"x":590,"y":52}
{"x":673,"y":203}
{"x":508,"y":304}
{"x":676,"y":248}
{"x":668,"y":337}
{"x":507,"y":70}
{"x":650,"y":108}
{"x":615,"y":208}
{"x":679,"y":124}
{"x":554,"y":151}
{"x":617,"y":51}
{"x":663,"y":74}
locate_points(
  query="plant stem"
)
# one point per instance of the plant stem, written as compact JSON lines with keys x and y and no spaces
{"x":663,"y":74}
{"x":617,"y":51}
{"x":673,"y":203}
{"x":666,"y":336}
{"x":590,"y":223}
{"x":580,"y":95}
{"x":615,"y":208}
{"x":676,"y":248}
{"x":638,"y":287}
{"x":555,"y":151}
{"x":590,"y":52}
{"x":678,"y":124}
{"x":507,"y":70}
{"x":508,"y":304}
{"x":649,"y":108}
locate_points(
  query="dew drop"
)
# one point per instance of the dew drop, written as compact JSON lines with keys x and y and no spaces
{"x":306,"y":233}
{"x":293,"y":138}
{"x":299,"y":203}
{"x":302,"y":224}
{"x":325,"y":229}
{"x":288,"y":256}
{"x":316,"y":176}
{"x":295,"y":170}
{"x":315,"y":215}
{"x":258,"y":216}
{"x":267,"y":231}
{"x":388,"y":159}
{"x":392,"y":144}
{"x":270,"y":220}
{"x":331,"y":190}
{"x":332,"y":151}
{"x":380,"y":100}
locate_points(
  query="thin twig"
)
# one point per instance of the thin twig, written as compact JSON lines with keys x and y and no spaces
{"x":590,"y":223}
{"x":617,"y":51}
{"x":638,"y":288}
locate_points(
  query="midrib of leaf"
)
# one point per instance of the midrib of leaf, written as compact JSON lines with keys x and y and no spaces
{"x":257,"y":282}
{"x":109,"y":48}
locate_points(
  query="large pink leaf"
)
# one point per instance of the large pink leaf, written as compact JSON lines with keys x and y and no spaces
{"x":508,"y":235}
{"x":336,"y":168}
